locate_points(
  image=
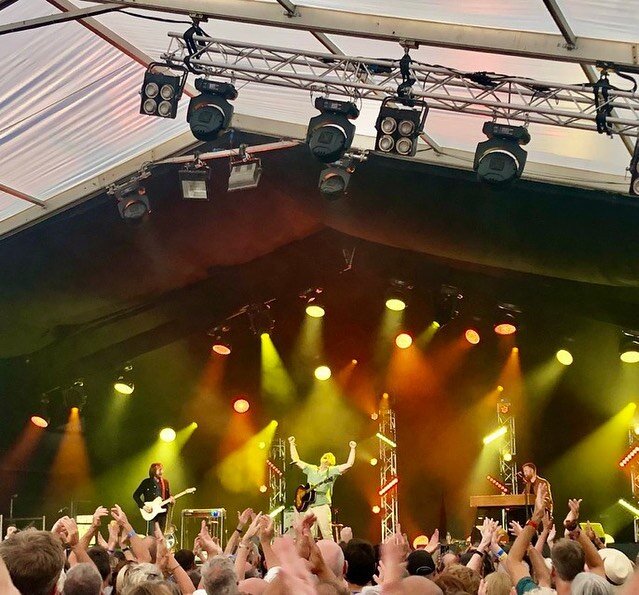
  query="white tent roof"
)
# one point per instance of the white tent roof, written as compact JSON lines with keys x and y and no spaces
{"x":69,"y":104}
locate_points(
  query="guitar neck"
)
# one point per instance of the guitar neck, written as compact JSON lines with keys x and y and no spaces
{"x":184,"y":493}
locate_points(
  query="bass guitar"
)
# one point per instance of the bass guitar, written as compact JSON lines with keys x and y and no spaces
{"x":305,"y":494}
{"x":156,"y":505}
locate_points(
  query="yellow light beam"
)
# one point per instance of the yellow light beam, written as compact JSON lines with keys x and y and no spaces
{"x":276,"y":382}
{"x":494,"y":435}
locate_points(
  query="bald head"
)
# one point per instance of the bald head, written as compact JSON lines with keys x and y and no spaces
{"x":420,"y":585}
{"x":333,"y":556}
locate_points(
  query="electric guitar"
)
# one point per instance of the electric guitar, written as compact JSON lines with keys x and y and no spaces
{"x":305,"y":494}
{"x":157,"y":505}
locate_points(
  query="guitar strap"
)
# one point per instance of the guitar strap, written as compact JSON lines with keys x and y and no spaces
{"x":163,"y":488}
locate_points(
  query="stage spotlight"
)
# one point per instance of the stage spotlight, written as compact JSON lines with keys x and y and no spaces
{"x":241,"y":405}
{"x":389,"y":486}
{"x":629,"y":347}
{"x":373,"y":462}
{"x":263,"y":489}
{"x":334,"y":179}
{"x":385,"y":439}
{"x":161,"y":92}
{"x":260,"y":319}
{"x":313,"y":301}
{"x":629,"y":456}
{"x":210,"y":112}
{"x":221,"y":344}
{"x":506,"y":320}
{"x":507,"y":456}
{"x":124,"y":383}
{"x":330,"y":134}
{"x":376,"y":509}
{"x":564,"y":357}
{"x":447,"y":305}
{"x":500,"y":159}
{"x":133,"y":201}
{"x":397,"y":295}
{"x":322,"y":372}
{"x":399,"y":124}
{"x":629,"y":507}
{"x":41,"y":418}
{"x":403,"y":341}
{"x":167,"y":434}
{"x":472,"y":336}
{"x":246,"y":171}
{"x":75,"y":396}
{"x":194,"y":182}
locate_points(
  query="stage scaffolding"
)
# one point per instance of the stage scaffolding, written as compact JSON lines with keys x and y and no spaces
{"x":508,"y":449}
{"x":633,"y":440}
{"x":276,"y":466}
{"x":387,"y":467}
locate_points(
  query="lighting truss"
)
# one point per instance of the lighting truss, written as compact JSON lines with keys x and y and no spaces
{"x":388,"y":469}
{"x":508,"y":465}
{"x":276,"y":466}
{"x":489,"y":95}
{"x":633,"y":441}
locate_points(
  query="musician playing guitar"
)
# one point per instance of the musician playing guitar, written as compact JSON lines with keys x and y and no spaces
{"x":321,"y":480}
{"x":150,"y":488}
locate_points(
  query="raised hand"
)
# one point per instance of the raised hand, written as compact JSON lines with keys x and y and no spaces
{"x":69,"y":532}
{"x":547,"y":521}
{"x":266,"y":529}
{"x":162,"y":551}
{"x":291,"y":439}
{"x":244,"y":517}
{"x":433,"y":542}
{"x":102,"y":542}
{"x":207,"y":542}
{"x":574,"y":505}
{"x":100,"y":512}
{"x":515,"y":528}
{"x":346,"y":534}
{"x":253,"y":528}
{"x":119,"y":515}
{"x":352,"y":444}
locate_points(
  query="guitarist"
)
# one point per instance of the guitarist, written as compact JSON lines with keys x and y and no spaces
{"x":325,"y":476}
{"x":150,"y":488}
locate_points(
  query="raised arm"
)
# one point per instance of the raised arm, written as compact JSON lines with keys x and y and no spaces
{"x":351,"y":458}
{"x":295,"y":457}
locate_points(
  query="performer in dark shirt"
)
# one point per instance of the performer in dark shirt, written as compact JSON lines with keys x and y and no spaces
{"x":533,"y":481}
{"x":150,"y":488}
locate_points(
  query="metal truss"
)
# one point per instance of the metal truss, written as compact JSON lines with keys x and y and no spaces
{"x":490,"y":95}
{"x":276,"y":465}
{"x":508,"y":449}
{"x":388,"y":469}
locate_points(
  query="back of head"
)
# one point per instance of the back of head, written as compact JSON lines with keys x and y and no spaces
{"x":420,"y":563}
{"x":34,"y":560}
{"x":449,"y":583}
{"x":151,"y":588}
{"x":100,"y":557}
{"x":567,"y":559}
{"x":333,"y":556}
{"x":587,"y":583}
{"x":360,"y":557}
{"x":141,"y":573}
{"x":185,"y":558}
{"x":83,"y":579}
{"x":419,"y":585}
{"x":218,"y":577}
{"x":498,"y":583}
{"x":468,"y":577}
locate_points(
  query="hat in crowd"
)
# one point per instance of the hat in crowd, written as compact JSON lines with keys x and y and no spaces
{"x":420,"y":541}
{"x":617,"y":565}
{"x":420,"y":563}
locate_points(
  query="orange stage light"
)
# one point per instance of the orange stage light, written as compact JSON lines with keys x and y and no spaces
{"x":472,"y":336}
{"x":505,"y":329}
{"x":241,"y":405}
{"x":403,"y":340}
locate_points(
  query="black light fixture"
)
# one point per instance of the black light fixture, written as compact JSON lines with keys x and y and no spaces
{"x":330,"y":134}
{"x":194,"y":181}
{"x":261,"y":319}
{"x":500,"y":159}
{"x":634,"y":171}
{"x":41,"y":417}
{"x":161,"y":92}
{"x":133,"y":202}
{"x":124,"y":384}
{"x":75,"y":396}
{"x":334,"y":178}
{"x":210,"y":112}
{"x":629,"y":347}
{"x":447,"y":305}
{"x":507,"y":319}
{"x":246,"y":171}
{"x":399,"y":124}
{"x":397,"y":295}
{"x":221,"y":344}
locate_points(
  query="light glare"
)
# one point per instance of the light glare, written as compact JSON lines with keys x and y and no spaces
{"x":472,"y":336}
{"x":564,"y":357}
{"x":315,"y":311}
{"x":241,"y":405}
{"x":395,"y":304}
{"x":322,"y":372}
{"x":167,"y":434}
{"x":403,"y":341}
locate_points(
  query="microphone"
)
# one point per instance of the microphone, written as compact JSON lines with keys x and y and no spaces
{"x":63,"y":509}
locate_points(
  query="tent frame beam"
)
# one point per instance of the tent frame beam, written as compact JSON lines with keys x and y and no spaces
{"x":525,"y":44}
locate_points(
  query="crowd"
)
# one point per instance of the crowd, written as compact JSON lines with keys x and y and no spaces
{"x":255,"y":561}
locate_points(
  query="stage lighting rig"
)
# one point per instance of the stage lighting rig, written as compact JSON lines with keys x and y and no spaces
{"x":507,"y":319}
{"x":221,"y":344}
{"x":260,"y":319}
{"x":629,"y":347}
{"x":634,"y":171}
{"x":75,"y":396}
{"x":399,"y":124}
{"x":161,"y":92}
{"x":210,"y":112}
{"x":124,"y":384}
{"x":447,"y":305}
{"x":330,"y":134}
{"x":246,"y":171}
{"x":500,"y":159}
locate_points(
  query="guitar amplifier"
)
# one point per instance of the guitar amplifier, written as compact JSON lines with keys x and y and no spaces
{"x":191,"y":522}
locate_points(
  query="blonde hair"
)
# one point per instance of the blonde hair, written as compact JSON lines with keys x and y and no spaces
{"x":330,"y":457}
{"x":498,"y":583}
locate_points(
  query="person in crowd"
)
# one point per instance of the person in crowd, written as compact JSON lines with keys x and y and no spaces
{"x":82,"y":579}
